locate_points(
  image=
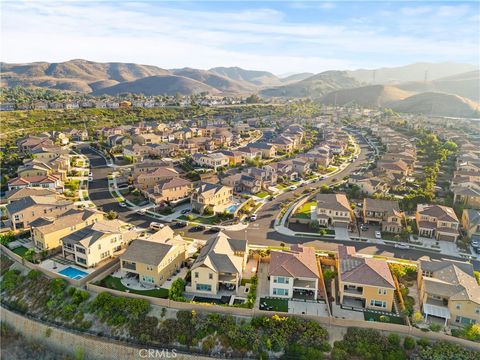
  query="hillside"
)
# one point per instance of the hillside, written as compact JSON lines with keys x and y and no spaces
{"x":432,"y":103}
{"x":412,"y":72}
{"x":368,"y":96}
{"x":159,"y":85}
{"x":296,"y":77}
{"x":217,"y":81}
{"x":257,"y":78}
{"x":313,"y":86}
{"x":74,"y":75}
{"x":465,"y":85}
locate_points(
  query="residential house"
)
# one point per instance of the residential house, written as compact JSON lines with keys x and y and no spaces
{"x":448,"y":290}
{"x":467,"y":193}
{"x":148,"y":180}
{"x":268,"y":150}
{"x":471,"y":222}
{"x":154,"y":260}
{"x":437,"y":221}
{"x":52,"y":182}
{"x":170,"y":190}
{"x":214,"y":160}
{"x":98,"y":242}
{"x":219,"y":266}
{"x":383,"y":212}
{"x":23,"y":211}
{"x":294,"y":272}
{"x":333,"y":210}
{"x":217,"y":198}
{"x":364,"y":282}
{"x":17,"y":194}
{"x":47,"y":231}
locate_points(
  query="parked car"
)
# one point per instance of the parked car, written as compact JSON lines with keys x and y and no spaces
{"x":402,"y":246}
{"x":293,"y":187}
{"x":142,"y":211}
{"x":90,"y":178}
{"x":253,"y":217}
{"x":323,"y":177}
{"x":156,"y":226}
{"x":378,"y":234}
{"x":180,"y":224}
{"x":214,"y":229}
{"x":197,"y":228}
{"x":90,"y":174}
{"x":122,"y":204}
{"x":185,"y":211}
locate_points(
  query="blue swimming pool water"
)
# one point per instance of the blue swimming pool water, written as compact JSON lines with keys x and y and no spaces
{"x":231,"y":209}
{"x":73,"y":273}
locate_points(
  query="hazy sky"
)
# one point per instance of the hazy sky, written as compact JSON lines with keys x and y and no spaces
{"x":280,"y":37}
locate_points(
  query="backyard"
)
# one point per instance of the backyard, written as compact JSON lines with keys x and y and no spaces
{"x":379,"y":317}
{"x":276,"y":304}
{"x":305,"y":210}
{"x":115,"y":284}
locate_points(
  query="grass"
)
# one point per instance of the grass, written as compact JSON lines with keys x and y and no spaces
{"x":212,"y":220}
{"x":262,"y":194}
{"x":21,"y":250}
{"x":369,"y":315}
{"x":280,"y":187}
{"x":305,"y":211}
{"x":276,"y":304}
{"x":115,"y":284}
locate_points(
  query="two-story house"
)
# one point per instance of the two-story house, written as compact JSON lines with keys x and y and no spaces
{"x":448,"y":290}
{"x":383,"y":212}
{"x":215,"y":197}
{"x":294,"y":272}
{"x":153,"y":260}
{"x":219,"y":266}
{"x":471,"y":223}
{"x":437,"y":221}
{"x":364,"y":282}
{"x":333,"y":210}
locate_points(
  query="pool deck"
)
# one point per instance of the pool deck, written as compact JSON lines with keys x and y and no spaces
{"x":56,"y":267}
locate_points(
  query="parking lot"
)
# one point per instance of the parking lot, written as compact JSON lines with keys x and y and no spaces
{"x":307,"y":308}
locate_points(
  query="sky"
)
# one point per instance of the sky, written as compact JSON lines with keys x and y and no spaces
{"x":281,"y":37}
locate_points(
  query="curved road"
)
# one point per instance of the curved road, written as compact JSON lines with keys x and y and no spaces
{"x":260,"y":232}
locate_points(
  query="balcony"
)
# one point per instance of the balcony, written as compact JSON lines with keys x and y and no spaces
{"x":356,"y":291}
{"x":129,"y":266}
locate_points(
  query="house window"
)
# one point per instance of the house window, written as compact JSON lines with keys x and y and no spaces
{"x":147,"y":278}
{"x":82,"y":261}
{"x":458,"y":306}
{"x":282,"y":292}
{"x":378,"y":303}
{"x":210,"y":276}
{"x":280,"y":280}
{"x":204,"y":287}
{"x":196,"y":275}
{"x":382,"y":291}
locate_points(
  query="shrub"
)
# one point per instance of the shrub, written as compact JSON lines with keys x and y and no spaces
{"x":33,"y":275}
{"x":394,"y":339}
{"x":435,"y":327}
{"x":423,"y":342}
{"x":408,"y":343}
{"x":48,"y":332}
{"x":11,"y":279}
{"x":177,"y":289}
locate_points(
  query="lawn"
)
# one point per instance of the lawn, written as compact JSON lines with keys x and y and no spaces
{"x":211,"y":220}
{"x":21,"y":250}
{"x":262,"y":194}
{"x":373,"y":316}
{"x":115,"y":284}
{"x":276,"y":304}
{"x":280,"y":187}
{"x":305,"y":211}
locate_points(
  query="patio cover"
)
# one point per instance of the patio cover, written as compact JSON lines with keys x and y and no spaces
{"x":438,"y":311}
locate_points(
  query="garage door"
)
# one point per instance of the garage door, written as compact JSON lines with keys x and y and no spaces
{"x":446,"y":237}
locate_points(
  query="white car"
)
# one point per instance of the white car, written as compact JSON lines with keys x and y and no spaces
{"x":402,"y":246}
{"x":253,"y":217}
{"x":142,"y":211}
{"x":122,"y":204}
{"x":293,"y":187}
{"x":156,"y":226}
{"x":90,"y":174}
{"x":90,"y":178}
{"x":323,"y":177}
{"x":378,"y":234}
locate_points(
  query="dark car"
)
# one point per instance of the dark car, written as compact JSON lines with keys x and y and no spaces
{"x":214,"y":229}
{"x":180,"y":224}
{"x":185,"y":211}
{"x":197,"y":228}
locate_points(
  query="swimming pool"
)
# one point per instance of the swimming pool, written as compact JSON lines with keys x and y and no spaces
{"x":73,"y":273}
{"x":231,"y":209}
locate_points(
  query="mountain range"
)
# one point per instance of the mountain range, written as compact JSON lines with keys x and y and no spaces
{"x":420,"y":87}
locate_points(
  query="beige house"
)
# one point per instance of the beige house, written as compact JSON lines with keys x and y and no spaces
{"x":95,"y":243}
{"x":214,"y":160}
{"x":467,"y":193}
{"x":154,"y":260}
{"x":364,"y":282}
{"x":219,"y":266}
{"x":47,"y":231}
{"x":448,"y":290}
{"x":148,"y":180}
{"x":333,"y":210}
{"x":294,"y":272}
{"x":471,"y":222}
{"x":215,"y":197}
{"x":437,"y":221}
{"x":22,"y":212}
{"x":383,"y":212}
{"x":170,"y":190}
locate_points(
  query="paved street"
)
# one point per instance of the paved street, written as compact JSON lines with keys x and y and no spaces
{"x":261,"y":231}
